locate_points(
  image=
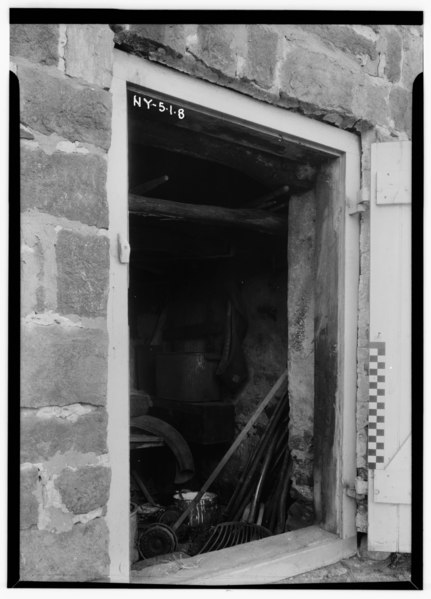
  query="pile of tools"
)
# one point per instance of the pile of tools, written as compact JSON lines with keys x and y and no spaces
{"x":259,"y":504}
{"x":262,"y":492}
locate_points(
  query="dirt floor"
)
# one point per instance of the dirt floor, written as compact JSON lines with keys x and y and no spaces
{"x":395,"y":568}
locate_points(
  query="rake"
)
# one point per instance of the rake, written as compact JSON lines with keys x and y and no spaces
{"x":229,"y":534}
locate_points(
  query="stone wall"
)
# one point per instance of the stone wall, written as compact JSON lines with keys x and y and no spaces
{"x":65,"y":115}
{"x":355,"y":77}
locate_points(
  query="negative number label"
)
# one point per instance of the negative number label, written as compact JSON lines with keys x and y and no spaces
{"x":158,"y":106}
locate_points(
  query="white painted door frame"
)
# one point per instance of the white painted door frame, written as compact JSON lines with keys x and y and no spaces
{"x":330,"y":140}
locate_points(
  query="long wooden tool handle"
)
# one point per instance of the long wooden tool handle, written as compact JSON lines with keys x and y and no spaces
{"x":143,"y":488}
{"x":277,"y":386}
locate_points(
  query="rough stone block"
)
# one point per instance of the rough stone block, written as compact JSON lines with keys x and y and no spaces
{"x":29,"y":505}
{"x":361,"y":449}
{"x":83,"y":273}
{"x":152,"y":40}
{"x":302,"y":473}
{"x":262,"y":55}
{"x":362,"y":518}
{"x":362,"y":360}
{"x":318,"y":80}
{"x":32,"y":266}
{"x":85,"y":489}
{"x":400,"y":106}
{"x":42,"y":437}
{"x":63,"y":365}
{"x":370,"y":102}
{"x":361,"y":414}
{"x":89,"y":52}
{"x":52,"y":103}
{"x":362,"y":394}
{"x":393,"y":56}
{"x":299,"y":37}
{"x":344,"y":38}
{"x":139,"y":39}
{"x":38,"y":43}
{"x":175,"y":38}
{"x":38,"y":263}
{"x":302,"y":440}
{"x":81,"y":554}
{"x":219,"y":46}
{"x":412,"y":63}
{"x":24,"y":134}
{"x":69,"y":185}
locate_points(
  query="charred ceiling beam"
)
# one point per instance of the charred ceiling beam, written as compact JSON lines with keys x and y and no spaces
{"x":166,"y":210}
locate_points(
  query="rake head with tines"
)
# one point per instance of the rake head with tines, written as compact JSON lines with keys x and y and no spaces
{"x":229,"y":534}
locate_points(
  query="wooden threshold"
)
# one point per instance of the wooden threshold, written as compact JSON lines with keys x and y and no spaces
{"x":267,"y":561}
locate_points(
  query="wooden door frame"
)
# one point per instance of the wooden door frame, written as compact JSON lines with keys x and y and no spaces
{"x":338,"y":144}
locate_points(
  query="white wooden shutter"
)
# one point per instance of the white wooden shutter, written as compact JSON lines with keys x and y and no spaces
{"x":389,"y":424}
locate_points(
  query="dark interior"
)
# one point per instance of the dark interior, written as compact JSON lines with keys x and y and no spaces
{"x":208,"y":325}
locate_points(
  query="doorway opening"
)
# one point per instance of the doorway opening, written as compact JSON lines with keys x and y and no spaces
{"x":235,"y":234}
